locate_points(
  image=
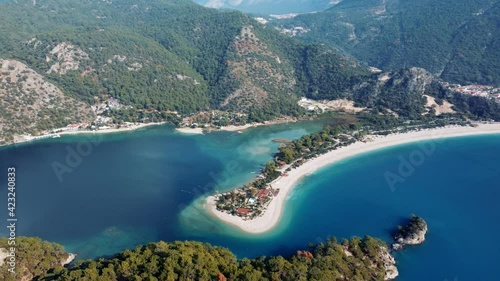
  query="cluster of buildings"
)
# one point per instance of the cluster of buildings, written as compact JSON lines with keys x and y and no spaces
{"x":475,"y":90}
{"x":55,"y":132}
{"x":76,"y":126}
{"x":103,"y":120}
{"x":108,"y":104}
{"x":312,"y":105}
{"x":262,"y":197}
{"x":284,"y":16}
{"x":246,"y":203}
{"x":294,"y":31}
{"x":214,"y":118}
{"x":261,"y":20}
{"x":72,"y":127}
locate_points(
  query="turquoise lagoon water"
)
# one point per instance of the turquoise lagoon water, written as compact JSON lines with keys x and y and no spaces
{"x":145,"y":186}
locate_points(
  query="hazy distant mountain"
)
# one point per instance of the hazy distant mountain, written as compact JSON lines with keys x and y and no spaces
{"x":271,"y":6}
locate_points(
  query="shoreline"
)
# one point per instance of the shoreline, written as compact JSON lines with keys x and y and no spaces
{"x":271,"y":216}
{"x":70,"y":259}
{"x":236,"y":128}
{"x":190,"y":131}
{"x":114,"y":130}
{"x":241,"y":128}
{"x":103,"y":131}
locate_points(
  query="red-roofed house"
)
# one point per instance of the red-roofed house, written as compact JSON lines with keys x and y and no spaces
{"x":263,"y":193}
{"x":73,"y":127}
{"x":243,"y":211}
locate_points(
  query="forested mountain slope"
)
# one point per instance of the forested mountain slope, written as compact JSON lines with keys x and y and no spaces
{"x":28,"y":103}
{"x":164,"y":56}
{"x":161,"y":55}
{"x":457,"y":40}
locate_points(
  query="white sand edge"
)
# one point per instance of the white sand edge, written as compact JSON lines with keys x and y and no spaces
{"x":230,"y":128}
{"x":239,"y":128}
{"x":113,"y":130}
{"x":102,"y":131}
{"x":190,"y":131}
{"x":235,"y":128}
{"x":273,"y":213}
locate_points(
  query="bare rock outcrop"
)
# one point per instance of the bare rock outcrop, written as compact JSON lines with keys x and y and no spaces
{"x":411,"y":234}
{"x":67,"y":57}
{"x":30,"y":104}
{"x":391,"y":271}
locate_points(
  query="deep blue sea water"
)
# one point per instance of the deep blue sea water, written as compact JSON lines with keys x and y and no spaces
{"x":146,"y":186}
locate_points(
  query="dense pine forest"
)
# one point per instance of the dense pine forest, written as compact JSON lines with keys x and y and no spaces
{"x":168,"y":59}
{"x":456,"y":40}
{"x":353,"y":259}
{"x":167,"y":55}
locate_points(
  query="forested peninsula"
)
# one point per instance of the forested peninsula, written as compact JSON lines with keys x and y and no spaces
{"x":354,"y":259}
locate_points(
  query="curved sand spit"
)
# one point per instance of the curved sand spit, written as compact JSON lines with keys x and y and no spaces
{"x":272,"y":215}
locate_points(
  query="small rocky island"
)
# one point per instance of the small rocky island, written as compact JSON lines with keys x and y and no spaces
{"x":411,"y":234}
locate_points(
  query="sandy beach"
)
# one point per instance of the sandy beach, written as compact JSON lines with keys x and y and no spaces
{"x":235,"y":128}
{"x":102,"y":131}
{"x":231,"y":128}
{"x":113,"y":130}
{"x":190,"y":131}
{"x":272,"y":215}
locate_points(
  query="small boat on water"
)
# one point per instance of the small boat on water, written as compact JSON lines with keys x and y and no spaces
{"x":56,"y":136}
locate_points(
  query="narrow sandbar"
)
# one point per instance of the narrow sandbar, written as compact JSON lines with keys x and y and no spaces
{"x":273,"y":213}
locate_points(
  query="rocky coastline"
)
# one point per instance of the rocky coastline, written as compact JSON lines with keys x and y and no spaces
{"x":411,"y":234}
{"x":71,"y":258}
{"x":391,"y":271}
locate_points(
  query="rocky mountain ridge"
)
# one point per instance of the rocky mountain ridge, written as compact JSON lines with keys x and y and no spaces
{"x":181,"y":58}
{"x":453,"y":39}
{"x":30,"y":104}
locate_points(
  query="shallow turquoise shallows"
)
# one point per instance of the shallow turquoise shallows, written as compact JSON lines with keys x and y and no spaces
{"x":100,"y":195}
